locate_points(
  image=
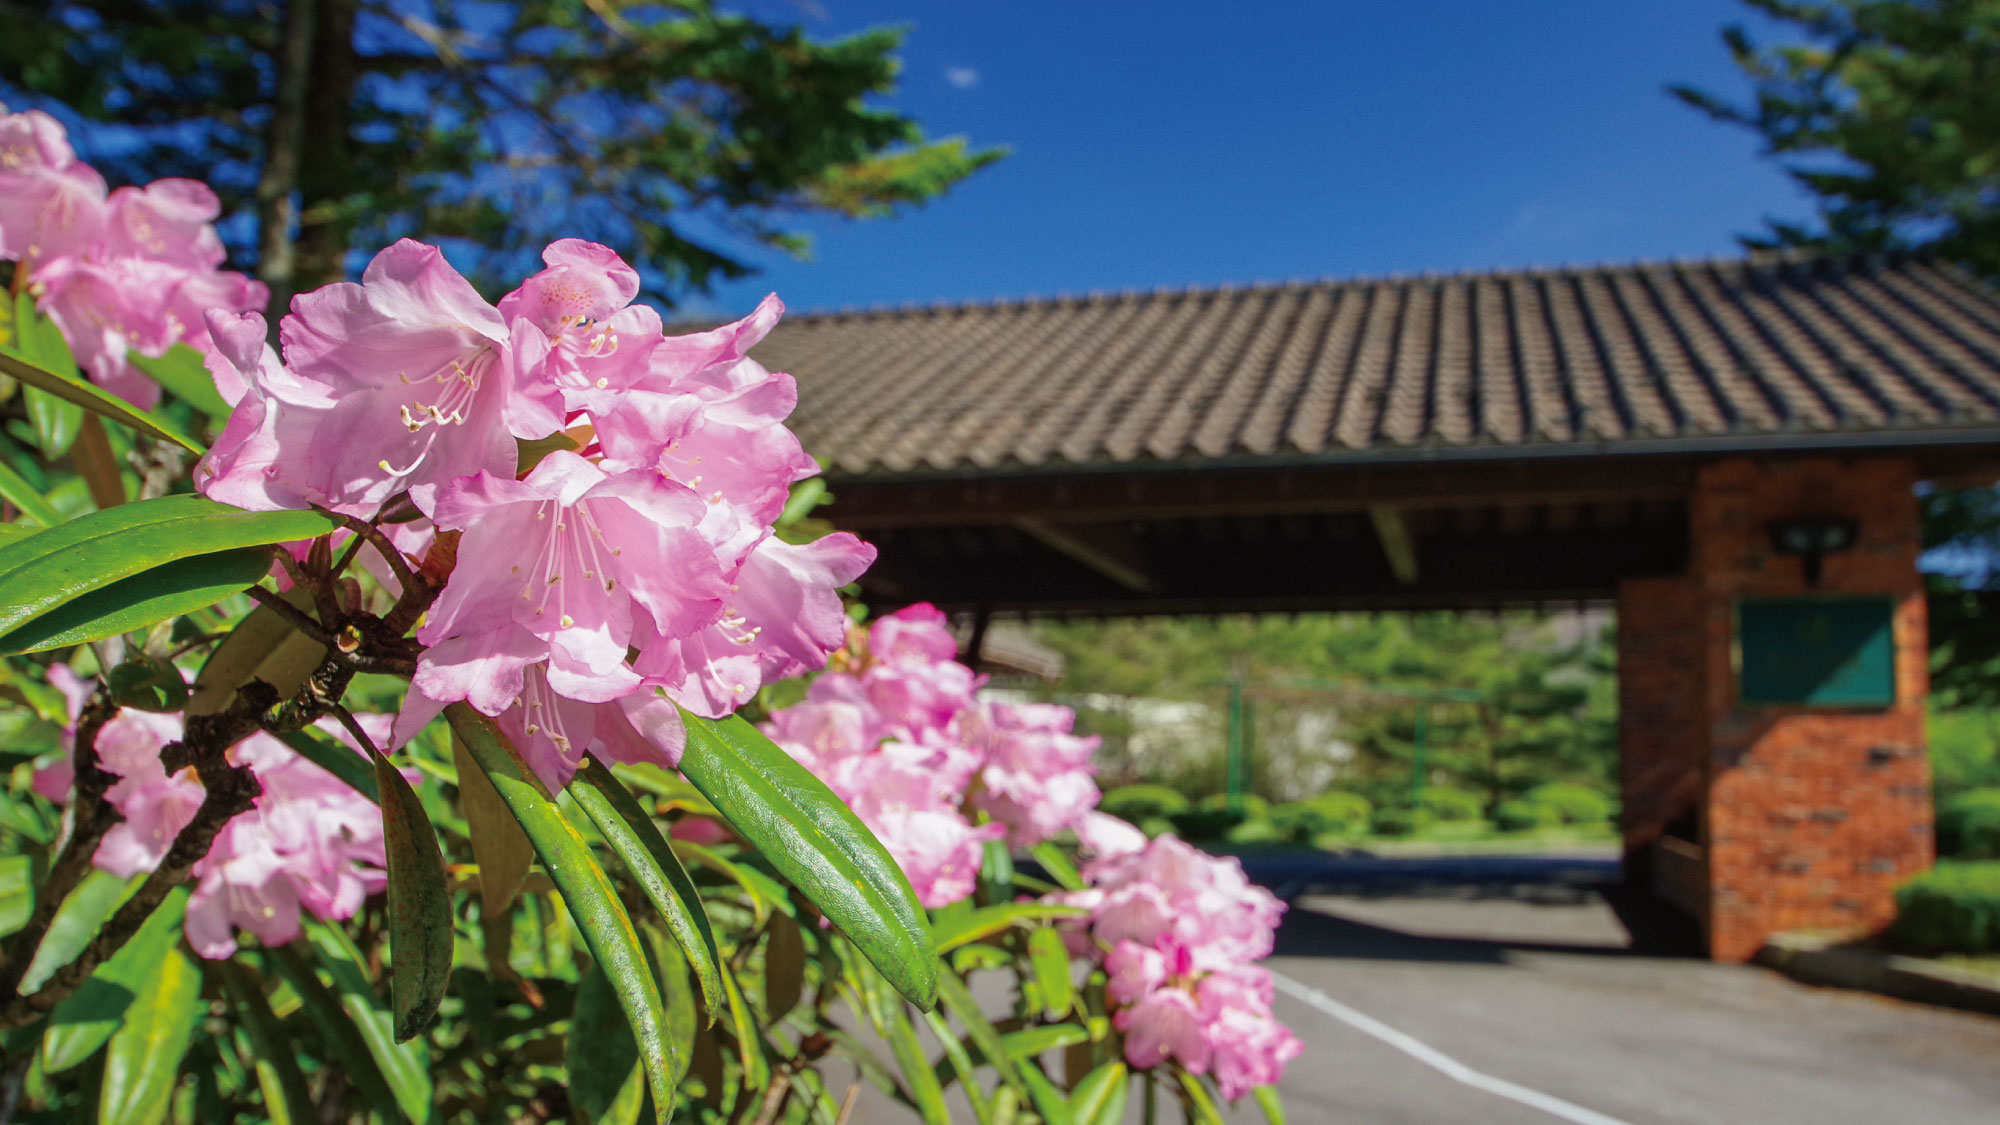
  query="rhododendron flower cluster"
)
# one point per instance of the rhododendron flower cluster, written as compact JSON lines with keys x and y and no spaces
{"x":309,"y":842}
{"x":632,"y":572}
{"x":1178,"y":932}
{"x":903,"y":738}
{"x":131,"y":270}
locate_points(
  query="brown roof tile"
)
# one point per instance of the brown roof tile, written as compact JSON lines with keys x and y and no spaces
{"x":1520,"y":360}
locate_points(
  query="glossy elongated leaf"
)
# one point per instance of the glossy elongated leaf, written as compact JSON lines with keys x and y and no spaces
{"x":1049,"y":1101}
{"x":784,"y":967}
{"x":144,"y":1055}
{"x":651,"y":860}
{"x":12,"y":532}
{"x":286,"y":1099}
{"x":606,"y":1083}
{"x":166,"y":591}
{"x":1099,"y":1097}
{"x":588,"y":893}
{"x":95,"y":550}
{"x":57,"y":422}
{"x":17,"y":892}
{"x":958,"y":1000}
{"x":1271,"y":1102}
{"x":1058,"y":866}
{"x":182,"y":371}
{"x":957,"y":1065}
{"x":977,"y":925}
{"x":353,"y":1024}
{"x":35,"y":339}
{"x":1201,"y":1108}
{"x":499,"y":846}
{"x":818,"y":844}
{"x":743,"y":1028}
{"x":419,"y":904}
{"x":262,"y":646}
{"x":18,"y":492}
{"x":1049,"y":962}
{"x":708,"y":857}
{"x":406,"y":1065}
{"x":1032,"y":1041}
{"x":101,"y":403}
{"x":919,"y":1079}
{"x":88,"y":1017}
{"x":76,"y":922}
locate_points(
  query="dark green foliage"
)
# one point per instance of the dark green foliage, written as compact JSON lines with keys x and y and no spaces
{"x":1968,"y":825}
{"x":1952,"y":908}
{"x":1887,"y":111}
{"x":1521,"y":815}
{"x":681,"y":135}
{"x":1207,"y":823}
{"x":1397,"y":821}
{"x":1257,"y":830}
{"x":1138,"y":803}
{"x":1573,"y":804}
{"x":1445,"y":803}
{"x":1335,"y":813}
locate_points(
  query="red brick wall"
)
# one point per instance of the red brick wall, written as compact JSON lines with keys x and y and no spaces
{"x":1810,"y":817}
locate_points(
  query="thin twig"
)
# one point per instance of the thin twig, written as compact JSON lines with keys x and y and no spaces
{"x":847,"y":1102}
{"x":774,"y":1098}
{"x":386,"y":549}
{"x":298,"y":618}
{"x":346,"y":719}
{"x":193,"y":643}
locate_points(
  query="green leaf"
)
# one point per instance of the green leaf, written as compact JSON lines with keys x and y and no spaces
{"x":606,"y":1083}
{"x":734,"y":872}
{"x":59,"y":565}
{"x":76,"y":922}
{"x":286,"y":1099}
{"x":22,"y":819}
{"x":144,"y":1056}
{"x":24,"y":496}
{"x":1049,"y":1101}
{"x":262,"y":646}
{"x":17,"y":892}
{"x":743,"y":1028}
{"x":977,"y":925}
{"x":919,"y":1079}
{"x":393,"y":1079}
{"x":1271,"y":1102}
{"x":1049,"y":961}
{"x":183,"y":372}
{"x":57,"y":422}
{"x":1058,"y":866}
{"x":1099,"y":1098}
{"x":1201,"y":1109}
{"x":36,"y":377}
{"x":958,"y":1000}
{"x":651,"y":860}
{"x":37,"y":340}
{"x":11,"y":532}
{"x":166,"y":591}
{"x":818,"y":844}
{"x":1032,"y":1041}
{"x":419,"y":904}
{"x":588,"y":893}
{"x":784,"y":967}
{"x":499,"y":847}
{"x":88,"y":1017}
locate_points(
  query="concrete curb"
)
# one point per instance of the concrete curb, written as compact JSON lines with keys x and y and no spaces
{"x":1819,"y":960}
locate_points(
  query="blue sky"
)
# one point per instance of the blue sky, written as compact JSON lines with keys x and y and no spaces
{"x":1177,"y":143}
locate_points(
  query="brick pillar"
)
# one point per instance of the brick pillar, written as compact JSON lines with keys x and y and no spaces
{"x":1662,"y":728}
{"x":1811,"y":816}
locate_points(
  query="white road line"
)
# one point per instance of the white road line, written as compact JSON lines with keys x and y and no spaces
{"x":1439,"y":1061}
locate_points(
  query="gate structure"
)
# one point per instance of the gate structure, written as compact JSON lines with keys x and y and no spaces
{"x":1726,"y":451}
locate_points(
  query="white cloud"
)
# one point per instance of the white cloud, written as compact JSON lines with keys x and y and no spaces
{"x":963,"y":77}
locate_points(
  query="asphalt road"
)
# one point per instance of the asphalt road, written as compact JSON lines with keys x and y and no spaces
{"x":1428,"y":992}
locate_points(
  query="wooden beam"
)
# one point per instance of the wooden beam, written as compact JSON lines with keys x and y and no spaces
{"x":1107,"y":550}
{"x":1397,"y":547}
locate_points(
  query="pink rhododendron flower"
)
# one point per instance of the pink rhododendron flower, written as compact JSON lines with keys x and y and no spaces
{"x":129,"y":272}
{"x":309,"y":842}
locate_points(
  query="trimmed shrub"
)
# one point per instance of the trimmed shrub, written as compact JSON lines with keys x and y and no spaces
{"x":1251,"y":804}
{"x":1139,"y":803}
{"x":1526,"y":816}
{"x":1573,"y":803}
{"x":1952,"y":908}
{"x":1397,"y":821}
{"x":1156,"y":826}
{"x":1446,"y":802}
{"x":1256,"y":830}
{"x":1968,"y":825}
{"x":1198,"y":824}
{"x":1335,"y":813}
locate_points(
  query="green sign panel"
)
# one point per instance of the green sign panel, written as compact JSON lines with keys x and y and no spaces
{"x":1824,"y":652}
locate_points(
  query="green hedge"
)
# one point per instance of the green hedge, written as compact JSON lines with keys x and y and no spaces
{"x":1335,"y":813}
{"x":1573,"y":803}
{"x":1968,"y":825}
{"x":1140,"y":803}
{"x":1525,"y":816}
{"x":1952,"y":908}
{"x":1446,"y":802}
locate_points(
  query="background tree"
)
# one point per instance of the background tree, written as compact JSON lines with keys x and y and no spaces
{"x":1887,"y":111}
{"x":681,"y":134}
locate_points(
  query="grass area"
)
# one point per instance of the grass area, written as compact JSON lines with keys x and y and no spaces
{"x":1985,"y":964}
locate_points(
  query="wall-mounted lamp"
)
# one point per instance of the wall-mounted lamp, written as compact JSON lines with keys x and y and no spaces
{"x":1812,"y":538}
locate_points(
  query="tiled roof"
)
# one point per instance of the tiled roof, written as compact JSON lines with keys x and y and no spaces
{"x":1516,"y":362}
